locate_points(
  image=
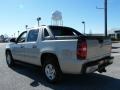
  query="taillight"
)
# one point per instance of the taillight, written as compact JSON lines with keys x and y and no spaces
{"x":81,"y":50}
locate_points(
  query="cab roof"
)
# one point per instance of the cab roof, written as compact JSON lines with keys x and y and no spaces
{"x":45,"y":26}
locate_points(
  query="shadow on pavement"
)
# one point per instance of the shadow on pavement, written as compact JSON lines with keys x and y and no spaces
{"x":115,"y":52}
{"x":115,"y":47}
{"x":70,"y":82}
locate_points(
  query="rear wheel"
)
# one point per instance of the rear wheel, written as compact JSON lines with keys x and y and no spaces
{"x":9,"y":59}
{"x":52,"y":71}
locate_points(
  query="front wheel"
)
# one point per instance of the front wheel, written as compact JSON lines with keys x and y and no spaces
{"x":52,"y":71}
{"x":9,"y":59}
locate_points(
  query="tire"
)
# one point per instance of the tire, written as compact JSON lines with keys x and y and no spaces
{"x":9,"y":59}
{"x":52,"y":71}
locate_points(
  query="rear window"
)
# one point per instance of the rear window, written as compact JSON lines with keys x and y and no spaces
{"x":63,"y":31}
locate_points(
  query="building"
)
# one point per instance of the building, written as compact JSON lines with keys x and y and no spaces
{"x":1,"y":38}
{"x":115,"y":33}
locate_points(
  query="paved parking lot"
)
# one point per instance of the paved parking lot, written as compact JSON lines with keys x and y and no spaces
{"x":29,"y":78}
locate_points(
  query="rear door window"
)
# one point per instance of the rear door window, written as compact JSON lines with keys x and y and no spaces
{"x":46,"y":34}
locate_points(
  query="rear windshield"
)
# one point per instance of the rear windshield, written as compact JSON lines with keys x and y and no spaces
{"x":63,"y":31}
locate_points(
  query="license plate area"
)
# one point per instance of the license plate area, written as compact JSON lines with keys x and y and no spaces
{"x":101,"y":62}
{"x":91,"y":69}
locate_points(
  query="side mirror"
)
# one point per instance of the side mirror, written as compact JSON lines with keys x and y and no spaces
{"x":13,"y":40}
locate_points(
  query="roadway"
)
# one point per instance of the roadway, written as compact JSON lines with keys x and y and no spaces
{"x":27,"y":77}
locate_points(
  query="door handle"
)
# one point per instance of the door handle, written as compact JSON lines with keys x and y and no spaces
{"x":22,"y":46}
{"x":34,"y":46}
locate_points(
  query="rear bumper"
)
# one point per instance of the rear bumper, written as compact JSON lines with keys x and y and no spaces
{"x":101,"y":63}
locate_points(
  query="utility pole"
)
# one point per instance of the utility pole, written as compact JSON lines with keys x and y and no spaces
{"x":105,"y":9}
{"x":105,"y":16}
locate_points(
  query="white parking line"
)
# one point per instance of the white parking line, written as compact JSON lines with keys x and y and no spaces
{"x":116,"y":54}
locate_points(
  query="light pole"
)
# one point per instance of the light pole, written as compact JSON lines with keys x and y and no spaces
{"x":38,"y":20}
{"x":26,"y":27}
{"x":18,"y":32}
{"x":83,"y":22}
{"x":14,"y":35}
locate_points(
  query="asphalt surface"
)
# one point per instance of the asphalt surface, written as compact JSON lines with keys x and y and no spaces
{"x":23,"y":77}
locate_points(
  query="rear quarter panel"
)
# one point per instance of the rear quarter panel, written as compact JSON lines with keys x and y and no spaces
{"x":65,"y":50}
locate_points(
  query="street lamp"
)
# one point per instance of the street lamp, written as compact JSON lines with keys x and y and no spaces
{"x":38,"y":20}
{"x":18,"y":32}
{"x":83,"y":22}
{"x":26,"y":27}
{"x":14,"y":35}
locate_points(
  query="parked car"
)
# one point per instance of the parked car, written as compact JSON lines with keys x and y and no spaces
{"x":59,"y":50}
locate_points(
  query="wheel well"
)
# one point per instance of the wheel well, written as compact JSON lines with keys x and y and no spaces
{"x":50,"y":55}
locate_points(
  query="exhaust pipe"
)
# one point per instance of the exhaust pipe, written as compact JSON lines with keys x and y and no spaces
{"x":101,"y":70}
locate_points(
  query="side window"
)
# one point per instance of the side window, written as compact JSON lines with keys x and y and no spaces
{"x":32,"y":35}
{"x":46,"y":33}
{"x":22,"y":37}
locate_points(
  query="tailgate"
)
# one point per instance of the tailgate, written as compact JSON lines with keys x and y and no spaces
{"x":98,"y":48}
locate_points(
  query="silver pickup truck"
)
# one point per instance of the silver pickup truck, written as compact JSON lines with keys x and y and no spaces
{"x":59,"y":50}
